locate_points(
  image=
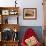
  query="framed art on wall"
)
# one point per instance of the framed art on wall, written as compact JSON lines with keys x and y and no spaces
{"x":29,"y":13}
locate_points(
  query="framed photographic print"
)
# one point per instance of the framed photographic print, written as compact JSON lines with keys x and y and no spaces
{"x":5,"y":12}
{"x":29,"y":13}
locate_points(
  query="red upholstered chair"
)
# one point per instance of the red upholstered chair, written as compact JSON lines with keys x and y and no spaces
{"x":29,"y":34}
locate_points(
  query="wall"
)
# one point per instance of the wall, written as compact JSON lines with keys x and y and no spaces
{"x":33,"y":4}
{"x":26,"y":4}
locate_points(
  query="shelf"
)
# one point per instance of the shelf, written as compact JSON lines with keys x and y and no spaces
{"x":10,"y":26}
{"x":7,"y":16}
{"x":11,"y":41}
{"x":9,"y":10}
{"x":10,"y":19}
{"x":6,"y":12}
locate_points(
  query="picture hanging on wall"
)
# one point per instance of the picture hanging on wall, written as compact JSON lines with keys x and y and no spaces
{"x":29,"y":13}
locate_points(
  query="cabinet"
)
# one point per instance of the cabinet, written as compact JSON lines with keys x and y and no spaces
{"x":9,"y":26}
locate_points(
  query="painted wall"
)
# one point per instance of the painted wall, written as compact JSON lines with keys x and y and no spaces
{"x":26,"y":4}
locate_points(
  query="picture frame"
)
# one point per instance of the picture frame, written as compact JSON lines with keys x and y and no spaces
{"x":5,"y":12}
{"x":30,"y":13}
